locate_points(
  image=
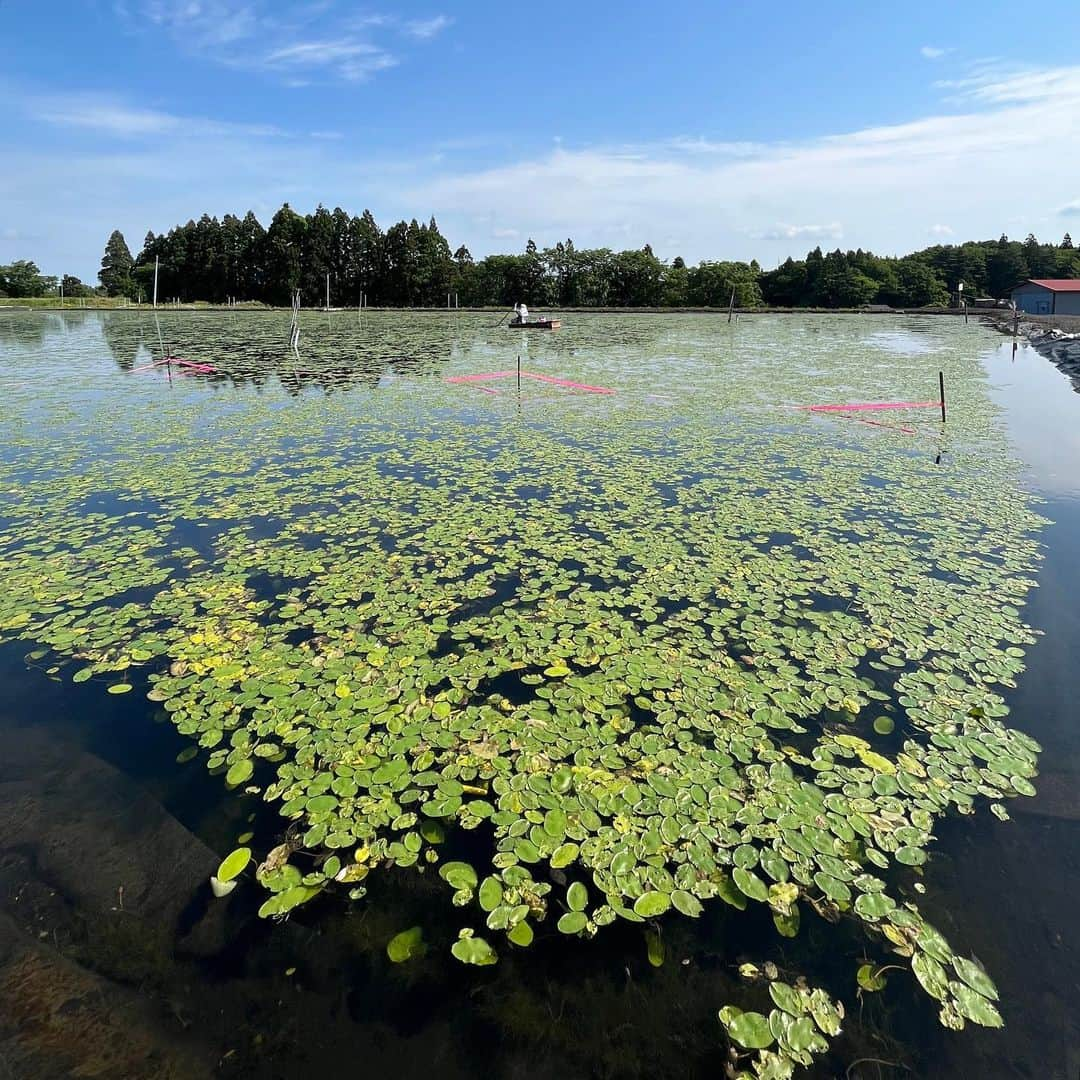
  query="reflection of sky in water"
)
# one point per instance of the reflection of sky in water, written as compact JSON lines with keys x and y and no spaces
{"x":906,"y":342}
{"x":668,"y":363}
{"x":1042,"y":414}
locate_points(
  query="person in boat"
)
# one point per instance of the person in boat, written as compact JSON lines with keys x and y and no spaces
{"x":522,"y":313}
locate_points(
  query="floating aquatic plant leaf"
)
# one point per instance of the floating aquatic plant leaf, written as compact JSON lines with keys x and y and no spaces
{"x":869,"y":979}
{"x":406,"y":945}
{"x":234,"y":864}
{"x":748,"y":1029}
{"x":698,"y":655}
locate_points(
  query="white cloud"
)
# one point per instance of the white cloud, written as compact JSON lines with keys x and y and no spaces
{"x":933,"y":52}
{"x":107,"y":115}
{"x":505,"y":234}
{"x":425,"y":29}
{"x":354,"y":61}
{"x":833,"y":231}
{"x":941,"y":230}
{"x":881,"y":182}
{"x":878,"y":186}
{"x":295,"y":43}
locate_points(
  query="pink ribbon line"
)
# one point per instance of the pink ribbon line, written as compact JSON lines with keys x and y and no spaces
{"x":865,"y":407}
{"x":191,"y":367}
{"x":488,"y":376}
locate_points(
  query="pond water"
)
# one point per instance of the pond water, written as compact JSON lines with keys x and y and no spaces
{"x":688,"y":676}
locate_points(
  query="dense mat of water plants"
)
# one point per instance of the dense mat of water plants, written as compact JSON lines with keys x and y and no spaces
{"x":679,"y":646}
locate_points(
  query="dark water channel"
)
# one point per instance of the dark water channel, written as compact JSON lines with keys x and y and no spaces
{"x":115,"y":962}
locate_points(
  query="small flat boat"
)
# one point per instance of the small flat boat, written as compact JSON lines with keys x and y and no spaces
{"x":536,"y":324}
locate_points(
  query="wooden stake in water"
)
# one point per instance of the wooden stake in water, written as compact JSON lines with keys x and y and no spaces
{"x":519,"y":375}
{"x":731,"y":306}
{"x":941,"y":388}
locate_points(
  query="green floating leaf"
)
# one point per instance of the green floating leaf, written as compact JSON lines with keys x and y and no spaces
{"x":686,"y":903}
{"x":474,"y":950}
{"x":749,"y":1029}
{"x":240,"y":773}
{"x":460,"y":875}
{"x":234,"y":864}
{"x":651,"y":904}
{"x":750,"y":884}
{"x":975,"y":977}
{"x":406,"y":945}
{"x":491,"y":891}
{"x":577,"y":897}
{"x":787,"y":998}
{"x":654,"y":948}
{"x":573,"y":922}
{"x":521,"y":934}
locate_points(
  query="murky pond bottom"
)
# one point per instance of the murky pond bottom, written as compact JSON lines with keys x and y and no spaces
{"x":675,"y":666}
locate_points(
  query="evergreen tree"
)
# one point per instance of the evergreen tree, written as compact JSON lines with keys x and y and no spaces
{"x":116,"y":266}
{"x":1067,"y":242}
{"x":73,"y":286}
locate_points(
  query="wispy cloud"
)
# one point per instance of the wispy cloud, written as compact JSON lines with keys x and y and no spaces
{"x":425,"y":29}
{"x":873,"y":187}
{"x":108,"y":115}
{"x":934,"y":52}
{"x":353,"y":61}
{"x":881,"y":182}
{"x":832,"y":231}
{"x":317,"y":40}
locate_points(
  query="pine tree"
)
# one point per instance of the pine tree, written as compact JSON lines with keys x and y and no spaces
{"x":1067,"y":242}
{"x":116,"y":266}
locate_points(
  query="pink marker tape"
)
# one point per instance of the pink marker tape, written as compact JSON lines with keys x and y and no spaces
{"x":868,"y":406}
{"x":491,"y":375}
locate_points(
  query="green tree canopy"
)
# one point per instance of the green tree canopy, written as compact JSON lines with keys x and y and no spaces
{"x":116,"y":266}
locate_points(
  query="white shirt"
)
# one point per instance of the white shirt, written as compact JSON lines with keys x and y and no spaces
{"x":523,"y":312}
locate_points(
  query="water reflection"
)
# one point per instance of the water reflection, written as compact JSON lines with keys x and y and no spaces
{"x":282,"y":1000}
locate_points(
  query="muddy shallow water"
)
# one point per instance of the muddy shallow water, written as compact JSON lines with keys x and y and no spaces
{"x":115,"y":961}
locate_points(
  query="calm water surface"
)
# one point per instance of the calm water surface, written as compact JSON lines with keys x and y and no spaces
{"x":104,"y":937}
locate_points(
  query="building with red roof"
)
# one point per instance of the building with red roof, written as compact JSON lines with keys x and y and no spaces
{"x":1048,"y":296}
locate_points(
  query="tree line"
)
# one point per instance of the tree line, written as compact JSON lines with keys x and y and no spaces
{"x":411,"y":264}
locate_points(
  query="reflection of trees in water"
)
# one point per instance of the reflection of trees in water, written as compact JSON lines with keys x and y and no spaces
{"x":27,"y":331}
{"x":123,"y":337}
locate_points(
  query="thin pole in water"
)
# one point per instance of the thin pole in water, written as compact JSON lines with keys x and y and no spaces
{"x":519,"y":373}
{"x":155,"y":279}
{"x":941,"y":387}
{"x":327,"y":292}
{"x":731,"y":306}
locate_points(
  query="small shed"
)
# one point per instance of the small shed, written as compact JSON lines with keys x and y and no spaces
{"x":1048,"y":296}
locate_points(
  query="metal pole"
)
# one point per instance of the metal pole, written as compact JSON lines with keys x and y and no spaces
{"x":519,"y":373}
{"x":155,"y":279}
{"x":731,"y":306}
{"x":61,"y":292}
{"x":941,"y":388}
{"x":327,"y":292}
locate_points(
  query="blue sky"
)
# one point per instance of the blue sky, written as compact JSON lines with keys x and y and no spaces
{"x":708,"y":129}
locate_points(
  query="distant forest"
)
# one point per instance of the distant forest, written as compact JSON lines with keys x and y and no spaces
{"x":412,"y":265}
